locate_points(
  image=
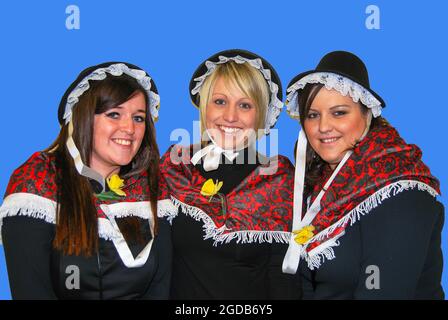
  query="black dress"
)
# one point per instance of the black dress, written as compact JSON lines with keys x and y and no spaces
{"x":203,"y":270}
{"x":394,"y":252}
{"x":38,"y":271}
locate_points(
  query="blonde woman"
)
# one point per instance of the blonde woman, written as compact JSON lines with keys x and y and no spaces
{"x":229,"y":206}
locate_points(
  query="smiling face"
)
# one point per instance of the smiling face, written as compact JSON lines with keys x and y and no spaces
{"x":333,"y":125}
{"x":230,"y":115}
{"x":118,"y":134}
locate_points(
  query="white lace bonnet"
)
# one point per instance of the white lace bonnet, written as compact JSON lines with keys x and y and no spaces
{"x":242,"y":56}
{"x":81,"y":85}
{"x":339,"y":70}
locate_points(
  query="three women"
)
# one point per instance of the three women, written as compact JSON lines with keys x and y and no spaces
{"x":363,"y":200}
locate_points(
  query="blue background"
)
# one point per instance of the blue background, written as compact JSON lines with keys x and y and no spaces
{"x":406,"y":59}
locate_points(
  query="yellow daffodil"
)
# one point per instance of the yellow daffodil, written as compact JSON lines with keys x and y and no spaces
{"x":115,"y":184}
{"x":304,"y":234}
{"x":210,"y":188}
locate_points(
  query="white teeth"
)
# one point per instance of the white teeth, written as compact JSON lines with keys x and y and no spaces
{"x":229,"y":130}
{"x":329,"y":140}
{"x":123,"y":142}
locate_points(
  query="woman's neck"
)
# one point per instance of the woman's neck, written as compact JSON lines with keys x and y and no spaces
{"x":106,"y":172}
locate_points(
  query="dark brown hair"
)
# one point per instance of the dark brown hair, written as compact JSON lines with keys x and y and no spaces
{"x":314,"y":164}
{"x":77,"y":223}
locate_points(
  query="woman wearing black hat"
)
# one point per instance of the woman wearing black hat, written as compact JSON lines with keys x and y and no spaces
{"x":372,"y":226}
{"x":230,"y":207}
{"x":79,"y":219}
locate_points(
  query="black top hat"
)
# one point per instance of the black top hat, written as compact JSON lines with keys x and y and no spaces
{"x":345,"y":64}
{"x":202,"y":69}
{"x":84,"y":74}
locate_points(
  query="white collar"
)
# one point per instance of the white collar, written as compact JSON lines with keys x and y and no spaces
{"x":212,"y":154}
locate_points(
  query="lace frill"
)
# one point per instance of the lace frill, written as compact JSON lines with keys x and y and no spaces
{"x":275,"y":104}
{"x":116,"y":70}
{"x":337,"y":82}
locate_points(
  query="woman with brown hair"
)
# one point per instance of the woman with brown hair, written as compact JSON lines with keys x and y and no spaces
{"x":79,"y":220}
{"x":366,"y":221}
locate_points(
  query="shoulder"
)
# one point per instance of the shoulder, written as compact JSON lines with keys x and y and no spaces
{"x":404,"y":231}
{"x":177,"y":158}
{"x":412,"y":199}
{"x":177,"y":154}
{"x":285,"y":163}
{"x":31,"y":191}
{"x":276,"y":167}
{"x":412,"y":208}
{"x":36,"y":176}
{"x":173,"y":167}
{"x":37,"y":162}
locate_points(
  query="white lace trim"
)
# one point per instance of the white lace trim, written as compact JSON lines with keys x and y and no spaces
{"x":27,"y":204}
{"x":275,"y":105}
{"x":332,"y":81}
{"x":116,"y":70}
{"x":218,"y":235}
{"x":106,"y":230}
{"x":141,"y":209}
{"x":34,"y":206}
{"x":316,"y":257}
{"x":166,"y":209}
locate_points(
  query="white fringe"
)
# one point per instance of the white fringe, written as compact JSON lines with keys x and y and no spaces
{"x":27,"y":204}
{"x":315,"y":261}
{"x":106,"y":230}
{"x":218,"y":235}
{"x":166,"y":209}
{"x":325,"y":250}
{"x":38,"y":207}
{"x":141,"y":209}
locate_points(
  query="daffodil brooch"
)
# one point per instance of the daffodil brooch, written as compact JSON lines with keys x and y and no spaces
{"x":211,"y":189}
{"x":303,"y":235}
{"x":115,"y":184}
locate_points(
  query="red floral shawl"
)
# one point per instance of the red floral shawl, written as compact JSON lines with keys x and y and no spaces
{"x":32,"y":191}
{"x":258,"y":209}
{"x":381,"y":166}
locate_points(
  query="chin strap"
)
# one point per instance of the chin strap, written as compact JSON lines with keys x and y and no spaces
{"x":80,"y":166}
{"x":295,"y":250}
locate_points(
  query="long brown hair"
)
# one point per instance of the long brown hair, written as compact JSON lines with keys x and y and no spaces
{"x":314,"y":164}
{"x":77,"y":223}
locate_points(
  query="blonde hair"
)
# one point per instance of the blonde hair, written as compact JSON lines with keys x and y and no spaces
{"x":244,"y":77}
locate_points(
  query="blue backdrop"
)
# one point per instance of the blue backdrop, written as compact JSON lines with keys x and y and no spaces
{"x":40,"y":57}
